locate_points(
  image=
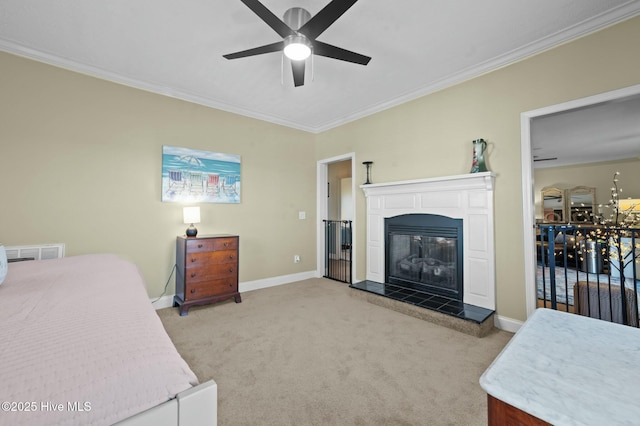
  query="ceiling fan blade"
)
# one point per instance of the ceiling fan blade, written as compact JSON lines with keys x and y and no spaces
{"x":327,"y":16}
{"x":298,"y":72}
{"x":267,"y":16}
{"x":268,"y":48}
{"x":330,"y":51}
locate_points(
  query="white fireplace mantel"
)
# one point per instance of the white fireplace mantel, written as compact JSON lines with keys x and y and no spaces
{"x":468,"y":197}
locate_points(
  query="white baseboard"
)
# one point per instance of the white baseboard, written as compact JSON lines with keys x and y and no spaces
{"x":507,"y":324}
{"x":271,"y":282}
{"x":163,"y":302}
{"x":167,"y":301}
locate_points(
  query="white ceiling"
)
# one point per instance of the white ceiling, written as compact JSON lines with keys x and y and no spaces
{"x":175,"y":48}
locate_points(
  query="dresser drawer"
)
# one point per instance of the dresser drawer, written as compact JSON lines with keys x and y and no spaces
{"x":207,"y":245}
{"x":197,"y":273}
{"x":198,"y":260}
{"x":201,"y":260}
{"x":210,"y":288}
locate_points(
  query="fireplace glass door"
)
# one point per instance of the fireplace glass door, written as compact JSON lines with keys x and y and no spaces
{"x":425,"y":257}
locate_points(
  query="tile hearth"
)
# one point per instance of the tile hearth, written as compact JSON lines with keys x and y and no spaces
{"x":461,"y":316}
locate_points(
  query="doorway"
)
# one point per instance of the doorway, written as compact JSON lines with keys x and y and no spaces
{"x":336,"y":202}
{"x":528,"y":196}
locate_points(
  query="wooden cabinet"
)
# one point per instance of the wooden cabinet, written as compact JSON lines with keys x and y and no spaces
{"x":502,"y":414}
{"x":206,"y":270}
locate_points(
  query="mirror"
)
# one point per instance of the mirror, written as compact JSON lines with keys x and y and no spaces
{"x":581,"y":203}
{"x":553,"y":205}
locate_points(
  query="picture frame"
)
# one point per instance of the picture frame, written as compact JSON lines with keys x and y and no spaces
{"x":198,"y":176}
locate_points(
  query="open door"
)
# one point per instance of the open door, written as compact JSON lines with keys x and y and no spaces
{"x":336,"y":213}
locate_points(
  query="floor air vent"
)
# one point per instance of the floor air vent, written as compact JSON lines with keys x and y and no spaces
{"x":36,"y":252}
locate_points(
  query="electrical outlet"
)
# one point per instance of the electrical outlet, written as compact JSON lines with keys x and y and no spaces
{"x":296,"y":258}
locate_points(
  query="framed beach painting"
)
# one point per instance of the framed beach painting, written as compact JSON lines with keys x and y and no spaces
{"x":196,"y":176}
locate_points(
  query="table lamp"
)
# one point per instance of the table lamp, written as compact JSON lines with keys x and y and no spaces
{"x":191,"y":215}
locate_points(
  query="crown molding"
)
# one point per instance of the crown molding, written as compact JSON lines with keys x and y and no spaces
{"x":614,"y":16}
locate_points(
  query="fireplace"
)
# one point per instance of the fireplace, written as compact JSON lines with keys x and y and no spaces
{"x":424,"y":252}
{"x":430,"y":250}
{"x":467,"y":198}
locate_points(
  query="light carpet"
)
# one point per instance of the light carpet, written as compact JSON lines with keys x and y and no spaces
{"x":308,"y":353}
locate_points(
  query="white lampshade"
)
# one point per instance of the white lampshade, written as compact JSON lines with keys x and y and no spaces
{"x":297,"y":47}
{"x":191,"y":214}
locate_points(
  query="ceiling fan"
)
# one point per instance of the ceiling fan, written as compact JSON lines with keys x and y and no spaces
{"x":299,"y":31}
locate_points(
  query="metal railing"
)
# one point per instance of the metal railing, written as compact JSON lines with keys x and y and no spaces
{"x":584,"y":269}
{"x":337,"y":264}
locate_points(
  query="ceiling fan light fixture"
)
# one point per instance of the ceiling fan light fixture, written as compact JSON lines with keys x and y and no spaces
{"x":297,"y":47}
{"x":299,"y":32}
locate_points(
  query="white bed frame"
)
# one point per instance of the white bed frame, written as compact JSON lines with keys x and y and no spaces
{"x":197,"y":406}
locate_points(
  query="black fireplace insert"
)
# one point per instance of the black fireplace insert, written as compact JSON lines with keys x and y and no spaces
{"x":424,"y":252}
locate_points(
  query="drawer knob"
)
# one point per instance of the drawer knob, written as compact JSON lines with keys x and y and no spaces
{"x":226,"y":244}
{"x":231,"y":257}
{"x":193,"y":275}
{"x":230,"y":269}
{"x":193,"y":259}
{"x":193,"y":290}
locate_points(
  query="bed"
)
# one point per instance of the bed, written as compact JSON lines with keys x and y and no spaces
{"x":80,"y":344}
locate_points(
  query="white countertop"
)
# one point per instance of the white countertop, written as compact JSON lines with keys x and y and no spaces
{"x":568,"y":369}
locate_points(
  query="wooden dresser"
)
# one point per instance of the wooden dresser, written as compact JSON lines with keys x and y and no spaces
{"x":206,"y":270}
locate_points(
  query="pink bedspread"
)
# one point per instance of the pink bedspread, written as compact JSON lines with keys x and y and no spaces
{"x":80,"y":344}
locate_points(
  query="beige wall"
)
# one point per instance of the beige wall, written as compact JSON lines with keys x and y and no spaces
{"x":431,"y":136}
{"x":80,"y":159}
{"x":80,"y":163}
{"x":597,"y":175}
